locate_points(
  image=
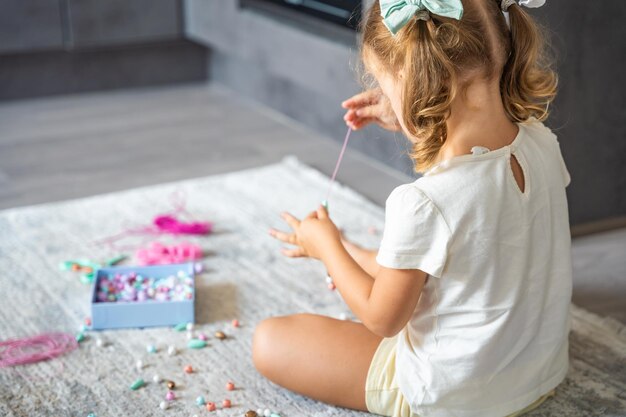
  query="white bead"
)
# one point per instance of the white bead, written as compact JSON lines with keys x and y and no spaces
{"x":267,"y":412}
{"x":139,"y":364}
{"x":156,"y":378}
{"x":164,"y":405}
{"x":190,"y":335}
{"x":343,"y":316}
{"x":99,"y":342}
{"x":329,"y":280}
{"x":190,"y":327}
{"x":171,"y":351}
{"x":259,"y":411}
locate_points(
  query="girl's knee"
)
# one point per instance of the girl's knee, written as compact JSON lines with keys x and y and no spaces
{"x":266,"y":336}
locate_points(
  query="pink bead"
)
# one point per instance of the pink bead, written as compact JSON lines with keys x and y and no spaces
{"x":331,"y":286}
{"x":170,"y":396}
{"x":230,"y":386}
{"x":202,"y":336}
{"x":226,"y":403}
{"x":210,"y":407}
{"x":235,"y":323}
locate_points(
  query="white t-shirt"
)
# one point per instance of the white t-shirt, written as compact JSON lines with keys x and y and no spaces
{"x":489,"y":334}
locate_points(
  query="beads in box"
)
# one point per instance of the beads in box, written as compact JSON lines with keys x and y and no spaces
{"x":133,"y":287}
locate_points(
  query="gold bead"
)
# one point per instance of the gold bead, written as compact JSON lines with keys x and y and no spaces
{"x":171,"y":384}
{"x":220,"y":335}
{"x":251,"y":413}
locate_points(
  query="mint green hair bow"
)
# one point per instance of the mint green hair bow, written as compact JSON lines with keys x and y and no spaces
{"x":397,"y":13}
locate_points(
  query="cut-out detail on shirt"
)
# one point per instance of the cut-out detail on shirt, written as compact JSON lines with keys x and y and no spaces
{"x":518,"y":173}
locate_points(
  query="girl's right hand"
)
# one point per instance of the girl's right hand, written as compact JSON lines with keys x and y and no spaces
{"x":370,"y":106}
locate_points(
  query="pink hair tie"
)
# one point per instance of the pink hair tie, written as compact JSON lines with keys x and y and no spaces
{"x":35,"y":349}
{"x":159,"y":254}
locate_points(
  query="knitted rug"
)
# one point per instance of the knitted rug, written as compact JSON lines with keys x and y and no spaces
{"x":245,"y":278}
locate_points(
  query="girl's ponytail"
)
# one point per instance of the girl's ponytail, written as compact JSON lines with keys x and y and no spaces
{"x":428,"y":92}
{"x":528,"y":83}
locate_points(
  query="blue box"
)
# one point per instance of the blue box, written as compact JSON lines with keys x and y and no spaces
{"x":124,"y":314}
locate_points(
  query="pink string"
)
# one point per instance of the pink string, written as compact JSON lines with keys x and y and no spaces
{"x":343,"y":150}
{"x":35,"y":349}
{"x":159,"y":254}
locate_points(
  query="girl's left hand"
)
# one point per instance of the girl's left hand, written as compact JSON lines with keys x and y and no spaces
{"x":310,"y":235}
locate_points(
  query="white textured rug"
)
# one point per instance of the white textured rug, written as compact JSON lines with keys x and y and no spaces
{"x":246,"y":278}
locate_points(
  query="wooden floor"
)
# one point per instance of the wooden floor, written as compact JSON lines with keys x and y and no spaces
{"x":68,"y":147}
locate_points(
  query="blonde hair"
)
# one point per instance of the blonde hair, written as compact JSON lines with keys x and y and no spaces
{"x":440,"y":56}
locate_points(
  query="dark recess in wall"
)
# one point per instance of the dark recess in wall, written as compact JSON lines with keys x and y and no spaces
{"x":59,"y":72}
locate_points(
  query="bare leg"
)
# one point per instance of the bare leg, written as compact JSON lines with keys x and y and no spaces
{"x":316,"y":356}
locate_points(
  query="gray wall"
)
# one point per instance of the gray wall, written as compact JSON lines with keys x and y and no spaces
{"x":305,"y":74}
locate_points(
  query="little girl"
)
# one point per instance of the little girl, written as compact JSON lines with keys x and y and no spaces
{"x":464,"y":309}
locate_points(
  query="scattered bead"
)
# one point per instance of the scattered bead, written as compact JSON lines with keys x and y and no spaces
{"x":156,"y":378}
{"x":196,"y":344}
{"x":235,"y":323}
{"x":343,"y":316}
{"x":226,"y":403}
{"x":259,"y":411}
{"x":83,"y":328}
{"x":80,"y":337}
{"x":189,"y":327}
{"x":151,"y":349}
{"x":230,"y":386}
{"x":139,"y":365}
{"x":88,"y":323}
{"x":188,"y":369}
{"x":190,"y":335}
{"x":203,"y":336}
{"x":329,"y":280}
{"x":198,"y":268}
{"x":210,"y":407}
{"x":332,"y":287}
{"x":170,"y":384}
{"x":91,"y":415}
{"x":180,"y":327}
{"x":164,"y":405}
{"x":274,"y":415}
{"x":171,"y":350}
{"x":99,"y":342}
{"x":251,"y":413}
{"x":267,"y":412}
{"x":137,"y":384}
{"x":170,"y":396}
{"x":200,"y":400}
{"x":220,"y":335}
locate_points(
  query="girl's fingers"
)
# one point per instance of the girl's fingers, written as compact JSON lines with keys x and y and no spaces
{"x":374,"y":111}
{"x":350,"y":115}
{"x":293,"y":253}
{"x":291,"y":220}
{"x":283,"y":237}
{"x":322,"y":213}
{"x":362,"y":99}
{"x":312,"y":215}
{"x":361,"y":123}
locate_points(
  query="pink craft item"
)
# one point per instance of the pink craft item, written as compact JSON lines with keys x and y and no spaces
{"x":164,"y":224}
{"x":35,"y":349}
{"x":159,"y":254}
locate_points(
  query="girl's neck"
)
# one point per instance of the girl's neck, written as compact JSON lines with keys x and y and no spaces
{"x":477,"y":118}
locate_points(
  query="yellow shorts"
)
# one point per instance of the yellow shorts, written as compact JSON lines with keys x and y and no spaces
{"x":382,"y":395}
